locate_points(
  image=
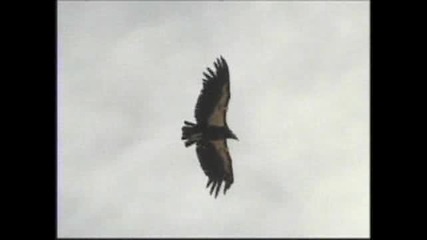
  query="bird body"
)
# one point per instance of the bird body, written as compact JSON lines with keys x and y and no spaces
{"x":194,"y":133}
{"x":211,"y":131}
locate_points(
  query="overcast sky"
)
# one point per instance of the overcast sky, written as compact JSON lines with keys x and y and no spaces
{"x":129,"y":73}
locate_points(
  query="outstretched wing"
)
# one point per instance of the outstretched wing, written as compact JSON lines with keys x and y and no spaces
{"x":211,"y":107}
{"x":215,"y":161}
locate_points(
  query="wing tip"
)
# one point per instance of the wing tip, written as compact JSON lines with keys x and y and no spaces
{"x":215,"y":188}
{"x":228,"y":182}
{"x":222,"y":59}
{"x":220,"y":62}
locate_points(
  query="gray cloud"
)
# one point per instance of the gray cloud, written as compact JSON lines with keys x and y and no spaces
{"x":129,"y":73}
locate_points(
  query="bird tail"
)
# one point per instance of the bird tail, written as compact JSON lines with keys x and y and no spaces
{"x":191,"y":133}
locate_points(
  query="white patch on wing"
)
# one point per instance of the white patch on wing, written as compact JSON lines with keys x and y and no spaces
{"x":218,"y":116}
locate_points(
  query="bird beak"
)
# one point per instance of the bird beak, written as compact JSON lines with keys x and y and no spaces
{"x":235,"y":137}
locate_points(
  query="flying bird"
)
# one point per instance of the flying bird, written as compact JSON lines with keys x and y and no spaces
{"x":211,"y":131}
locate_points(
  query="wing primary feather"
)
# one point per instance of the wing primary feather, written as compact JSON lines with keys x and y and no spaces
{"x":207,"y":76}
{"x":218,"y":188}
{"x":216,"y":64}
{"x":227,"y":185}
{"x":211,"y":72}
{"x":209,"y":182}
{"x":223,"y":61}
{"x":220,"y":62}
{"x":213,"y":187}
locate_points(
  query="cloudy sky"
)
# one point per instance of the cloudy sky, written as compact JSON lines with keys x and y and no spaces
{"x":129,"y":73}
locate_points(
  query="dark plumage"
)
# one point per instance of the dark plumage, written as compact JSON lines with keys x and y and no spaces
{"x":211,"y":131}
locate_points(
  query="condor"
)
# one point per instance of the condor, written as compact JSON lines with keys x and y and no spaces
{"x":211,"y":131}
